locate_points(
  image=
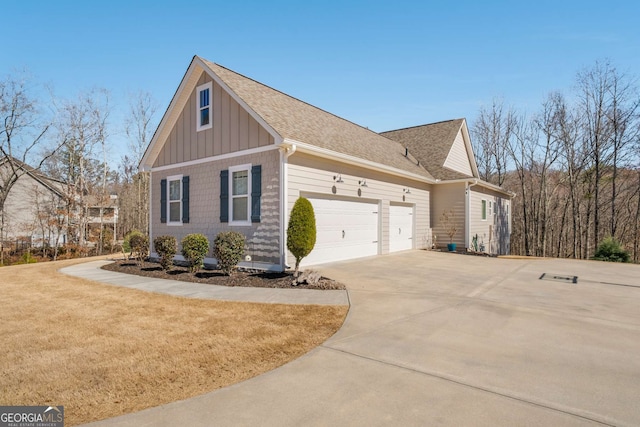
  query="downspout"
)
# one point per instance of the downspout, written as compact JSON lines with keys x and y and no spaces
{"x":285,"y":152}
{"x":149,"y":226}
{"x":467,"y":210}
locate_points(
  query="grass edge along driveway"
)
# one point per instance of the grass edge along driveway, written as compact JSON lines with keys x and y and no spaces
{"x":103,"y":351}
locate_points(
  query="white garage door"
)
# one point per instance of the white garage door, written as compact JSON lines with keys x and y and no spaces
{"x":400,"y":228}
{"x":345,"y":230}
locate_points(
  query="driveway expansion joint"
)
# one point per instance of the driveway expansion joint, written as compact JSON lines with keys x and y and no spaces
{"x":540,"y":404}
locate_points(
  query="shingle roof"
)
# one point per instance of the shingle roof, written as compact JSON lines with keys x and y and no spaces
{"x":430,"y":144}
{"x":297,"y":120}
{"x":53,"y":184}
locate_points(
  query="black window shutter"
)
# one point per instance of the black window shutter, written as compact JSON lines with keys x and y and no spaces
{"x":256,"y":192}
{"x":224,"y":196}
{"x":163,"y":200}
{"x":185,"y":199}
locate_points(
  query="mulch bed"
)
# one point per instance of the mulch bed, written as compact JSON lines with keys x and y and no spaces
{"x":214,"y":277}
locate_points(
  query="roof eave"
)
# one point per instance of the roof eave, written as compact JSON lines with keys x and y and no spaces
{"x":478,"y":181}
{"x":467,"y":141}
{"x":178,"y":102}
{"x":353,"y":160}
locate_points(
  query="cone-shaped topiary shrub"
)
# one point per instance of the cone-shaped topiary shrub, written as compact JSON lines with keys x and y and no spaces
{"x":194,"y":249}
{"x":228,"y":248}
{"x":166,"y":247}
{"x":301,"y":232}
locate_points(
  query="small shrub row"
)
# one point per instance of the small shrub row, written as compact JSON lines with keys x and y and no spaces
{"x":228,"y":250}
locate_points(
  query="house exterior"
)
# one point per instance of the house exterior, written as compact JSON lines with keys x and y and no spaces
{"x":482,"y":210}
{"x":33,"y":210}
{"x":101,"y":213}
{"x":233,"y":154}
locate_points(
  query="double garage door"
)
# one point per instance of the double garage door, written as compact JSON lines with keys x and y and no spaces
{"x":350,"y":229}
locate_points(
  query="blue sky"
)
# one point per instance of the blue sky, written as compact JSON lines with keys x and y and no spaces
{"x":381,"y":64}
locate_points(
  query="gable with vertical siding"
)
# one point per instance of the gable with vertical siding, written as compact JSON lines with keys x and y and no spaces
{"x":458,"y":157}
{"x":233,"y":130}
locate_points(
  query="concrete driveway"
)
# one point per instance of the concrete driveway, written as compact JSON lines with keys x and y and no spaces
{"x":443,"y":339}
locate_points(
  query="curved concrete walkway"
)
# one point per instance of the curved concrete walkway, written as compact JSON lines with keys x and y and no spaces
{"x":444,"y":339}
{"x":92,"y":271}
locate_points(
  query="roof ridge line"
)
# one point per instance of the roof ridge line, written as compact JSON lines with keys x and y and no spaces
{"x":423,"y":125}
{"x":298,"y":99}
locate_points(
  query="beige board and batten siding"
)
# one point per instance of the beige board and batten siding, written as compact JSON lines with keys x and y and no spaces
{"x":493,"y":233}
{"x":458,"y":157}
{"x":233,"y":130}
{"x":263,"y":238}
{"x":448,"y":197}
{"x":310,"y":176}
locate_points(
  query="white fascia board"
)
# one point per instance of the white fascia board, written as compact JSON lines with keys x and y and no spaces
{"x":467,"y":142}
{"x":276,"y":136}
{"x":353,"y":160}
{"x":178,"y":102}
{"x":479,"y":182}
{"x":216,"y":158}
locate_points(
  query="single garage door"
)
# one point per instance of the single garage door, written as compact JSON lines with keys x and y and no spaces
{"x":400,"y":228}
{"x":345,"y":230}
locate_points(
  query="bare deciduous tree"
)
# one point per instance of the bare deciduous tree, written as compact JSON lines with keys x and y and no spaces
{"x":23,"y":126}
{"x":575,"y":166}
{"x":492,"y":133}
{"x":134,"y":197}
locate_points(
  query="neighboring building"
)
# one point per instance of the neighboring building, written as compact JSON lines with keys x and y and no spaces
{"x":33,"y":213}
{"x":233,"y":154}
{"x":101,"y":212}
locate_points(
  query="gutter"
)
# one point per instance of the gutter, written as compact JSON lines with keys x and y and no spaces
{"x":286,"y":151}
{"x":356,"y":161}
{"x":481,"y":183}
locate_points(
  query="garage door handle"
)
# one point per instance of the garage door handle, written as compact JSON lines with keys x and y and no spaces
{"x":399,"y":230}
{"x":343,"y":234}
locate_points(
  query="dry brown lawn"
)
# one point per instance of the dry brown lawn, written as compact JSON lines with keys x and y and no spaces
{"x":103,"y":351}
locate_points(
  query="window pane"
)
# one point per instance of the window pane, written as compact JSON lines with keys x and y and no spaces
{"x":174,"y":190}
{"x":240,"y":208}
{"x":240,"y":183}
{"x":484,"y":209}
{"x":174,"y":211}
{"x":204,"y":98}
{"x":204,"y":117}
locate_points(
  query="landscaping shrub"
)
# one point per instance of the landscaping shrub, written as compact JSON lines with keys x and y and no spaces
{"x":107,"y":240}
{"x":610,"y":250}
{"x":139,"y":243}
{"x":28,"y":258}
{"x":194,"y":249}
{"x":166,"y":247}
{"x":301,"y":232}
{"x":228,"y":248}
{"x":126,"y":243}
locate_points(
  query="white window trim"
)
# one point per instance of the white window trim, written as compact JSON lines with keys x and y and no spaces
{"x":490,"y":215}
{"x":483,"y":217}
{"x":233,"y":169}
{"x":199,"y":89}
{"x":169,"y":179}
